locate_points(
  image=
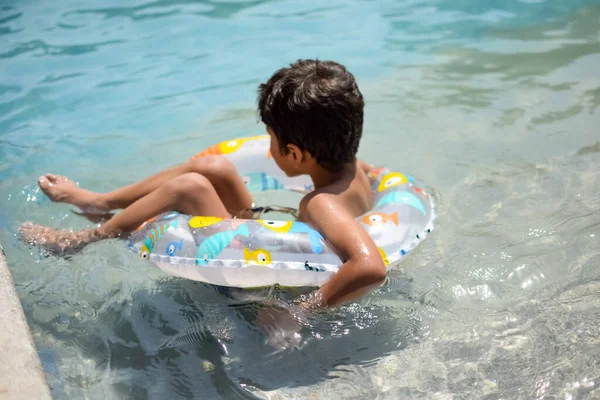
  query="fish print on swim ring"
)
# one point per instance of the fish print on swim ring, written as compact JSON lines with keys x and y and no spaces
{"x":258,"y":256}
{"x":261,"y":182}
{"x":380,"y":218}
{"x":291,"y":227}
{"x":203,"y":222}
{"x":227,"y":147}
{"x":212,"y":246}
{"x":390,"y":180}
{"x":401,"y":197}
{"x":153,"y":237}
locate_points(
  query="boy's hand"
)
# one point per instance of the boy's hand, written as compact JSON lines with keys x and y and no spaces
{"x":281,"y":326}
{"x":370,"y":170}
{"x":366,"y":168}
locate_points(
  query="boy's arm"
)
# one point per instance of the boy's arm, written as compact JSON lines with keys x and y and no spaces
{"x":363,"y":267}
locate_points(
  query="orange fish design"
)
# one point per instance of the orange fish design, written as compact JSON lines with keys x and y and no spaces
{"x":153,"y":237}
{"x":227,"y":147}
{"x":419,"y":190}
{"x":380,"y":218}
{"x":211,"y":151}
{"x":145,"y":223}
{"x":168,"y":216}
{"x":375,"y":172}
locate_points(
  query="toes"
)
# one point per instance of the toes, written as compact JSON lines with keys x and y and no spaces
{"x":53,"y":178}
{"x":44,"y":183}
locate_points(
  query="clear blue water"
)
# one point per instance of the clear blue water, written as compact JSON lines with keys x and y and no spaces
{"x":494,"y":104}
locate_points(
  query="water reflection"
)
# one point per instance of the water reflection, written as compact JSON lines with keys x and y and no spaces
{"x":493,"y":104}
{"x":184,"y":337}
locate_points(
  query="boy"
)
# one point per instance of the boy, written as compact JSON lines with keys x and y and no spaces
{"x":313,"y":111}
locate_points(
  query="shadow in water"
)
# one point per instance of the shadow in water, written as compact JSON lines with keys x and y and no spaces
{"x":188,"y":339}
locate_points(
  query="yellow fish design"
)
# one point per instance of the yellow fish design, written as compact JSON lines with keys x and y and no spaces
{"x":228,"y":146}
{"x":276,"y":226}
{"x":380,"y":218}
{"x":202,"y":222}
{"x":390,"y":180}
{"x":259,"y":256}
{"x":386,"y":262}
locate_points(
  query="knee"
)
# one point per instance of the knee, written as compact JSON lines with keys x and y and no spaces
{"x":188,"y":185}
{"x":212,"y":167}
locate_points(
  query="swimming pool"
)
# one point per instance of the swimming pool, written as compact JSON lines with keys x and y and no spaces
{"x":495,"y":105}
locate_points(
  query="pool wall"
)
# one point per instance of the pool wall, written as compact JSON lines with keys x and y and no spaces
{"x":21,"y":373}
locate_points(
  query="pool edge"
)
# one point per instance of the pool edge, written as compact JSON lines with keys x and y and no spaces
{"x":21,"y":372}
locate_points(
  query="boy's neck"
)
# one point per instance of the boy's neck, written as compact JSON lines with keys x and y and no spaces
{"x":322,"y":177}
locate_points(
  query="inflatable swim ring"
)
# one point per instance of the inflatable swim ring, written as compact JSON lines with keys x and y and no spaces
{"x":254,"y":253}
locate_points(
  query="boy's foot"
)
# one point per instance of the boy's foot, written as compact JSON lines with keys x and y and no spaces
{"x":48,"y":238}
{"x":63,"y":190}
{"x":55,"y":240}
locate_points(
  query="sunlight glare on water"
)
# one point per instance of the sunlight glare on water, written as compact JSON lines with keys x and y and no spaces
{"x":494,"y":105}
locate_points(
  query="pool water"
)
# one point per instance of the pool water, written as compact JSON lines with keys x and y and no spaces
{"x":495,"y":105}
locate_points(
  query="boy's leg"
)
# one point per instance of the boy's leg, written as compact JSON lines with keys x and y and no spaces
{"x":61,"y":189}
{"x":189,"y":193}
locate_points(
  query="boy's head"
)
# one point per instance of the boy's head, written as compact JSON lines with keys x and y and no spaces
{"x":316,"y":106}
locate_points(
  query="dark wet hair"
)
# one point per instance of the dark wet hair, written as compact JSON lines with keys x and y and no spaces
{"x":317,"y":106}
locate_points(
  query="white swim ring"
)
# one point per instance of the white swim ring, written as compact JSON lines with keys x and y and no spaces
{"x":254,"y":253}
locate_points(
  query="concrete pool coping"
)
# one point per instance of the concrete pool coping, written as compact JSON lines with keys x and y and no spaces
{"x":21,"y":373}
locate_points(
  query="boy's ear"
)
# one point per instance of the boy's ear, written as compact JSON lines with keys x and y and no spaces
{"x":297,"y":155}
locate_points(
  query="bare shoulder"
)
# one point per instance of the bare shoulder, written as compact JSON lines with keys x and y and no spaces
{"x":317,"y":205}
{"x":324,"y":210}
{"x":327,"y":213}
{"x":351,"y":196}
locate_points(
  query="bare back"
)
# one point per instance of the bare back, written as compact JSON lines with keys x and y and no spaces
{"x":351,"y":191}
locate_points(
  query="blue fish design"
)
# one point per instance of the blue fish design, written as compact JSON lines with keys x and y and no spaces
{"x":173,"y":247}
{"x":261,"y":182}
{"x":213,"y":245}
{"x":314,"y":236}
{"x":401,"y":197}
